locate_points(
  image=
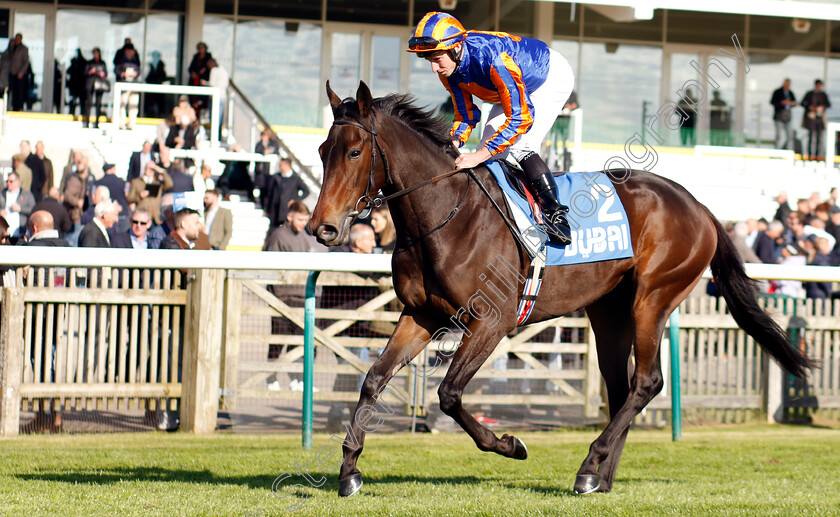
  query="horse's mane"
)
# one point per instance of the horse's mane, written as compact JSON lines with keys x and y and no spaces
{"x":402,"y":108}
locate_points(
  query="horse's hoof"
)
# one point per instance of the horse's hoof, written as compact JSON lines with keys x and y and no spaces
{"x":520,"y":452}
{"x":350,"y":486}
{"x":587,"y":483}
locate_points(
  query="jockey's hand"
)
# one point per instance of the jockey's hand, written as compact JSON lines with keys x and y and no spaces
{"x":470,"y":160}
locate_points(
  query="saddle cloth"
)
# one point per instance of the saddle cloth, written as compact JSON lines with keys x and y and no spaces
{"x":599,"y":224}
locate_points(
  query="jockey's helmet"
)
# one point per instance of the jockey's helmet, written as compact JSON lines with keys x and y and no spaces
{"x":436,"y":31}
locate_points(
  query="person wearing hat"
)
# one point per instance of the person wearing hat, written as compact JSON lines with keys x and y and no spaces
{"x":527,"y":84}
{"x":116,"y":186}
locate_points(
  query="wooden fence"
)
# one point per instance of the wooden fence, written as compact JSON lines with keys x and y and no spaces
{"x":208,"y":339}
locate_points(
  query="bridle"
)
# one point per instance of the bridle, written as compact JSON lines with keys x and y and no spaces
{"x":375,"y":201}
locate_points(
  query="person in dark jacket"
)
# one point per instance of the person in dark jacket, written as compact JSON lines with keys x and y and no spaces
{"x":76,"y":82}
{"x":96,"y":76}
{"x":60,"y":216}
{"x":42,"y":231}
{"x":765,"y":243}
{"x":116,"y":187}
{"x":285,"y":186}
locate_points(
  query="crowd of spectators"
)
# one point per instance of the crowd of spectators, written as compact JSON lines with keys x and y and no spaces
{"x":807,"y":235}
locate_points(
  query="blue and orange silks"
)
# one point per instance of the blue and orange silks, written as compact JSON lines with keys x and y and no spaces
{"x":501,"y":69}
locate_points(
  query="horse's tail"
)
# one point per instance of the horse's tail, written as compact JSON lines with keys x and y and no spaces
{"x":741,"y":295}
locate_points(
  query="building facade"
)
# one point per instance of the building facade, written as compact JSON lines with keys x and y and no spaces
{"x":629,"y":61}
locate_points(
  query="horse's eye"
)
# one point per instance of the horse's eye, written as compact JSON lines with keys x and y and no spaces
{"x":354,"y":153}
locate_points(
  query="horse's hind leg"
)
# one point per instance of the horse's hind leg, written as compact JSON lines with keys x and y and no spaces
{"x":612,"y":323}
{"x":651,"y":310}
{"x":410,"y":336}
{"x":472,"y":353}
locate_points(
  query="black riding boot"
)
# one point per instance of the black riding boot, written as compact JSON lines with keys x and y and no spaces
{"x":554,"y":213}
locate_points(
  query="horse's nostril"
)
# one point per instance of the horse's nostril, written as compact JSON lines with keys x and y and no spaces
{"x":327,"y":232}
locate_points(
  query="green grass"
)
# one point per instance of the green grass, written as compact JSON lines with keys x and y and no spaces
{"x":760,"y":470}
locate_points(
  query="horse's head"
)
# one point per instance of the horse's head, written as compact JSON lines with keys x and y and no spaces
{"x":352,"y":173}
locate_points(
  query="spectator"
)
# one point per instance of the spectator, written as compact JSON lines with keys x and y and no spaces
{"x":139,"y":159}
{"x":686,"y":112}
{"x":183,"y":108}
{"x":96,"y":84}
{"x":73,"y":165}
{"x":362,"y":239}
{"x":121,"y":54}
{"x":167,"y":212}
{"x":156,"y":102}
{"x":815,"y":103}
{"x":162,"y":131}
{"x":816,"y":249}
{"x":16,"y":203}
{"x":220,"y":79}
{"x":76,"y":82}
{"x":202,"y":179}
{"x":187,"y":234}
{"x":766,"y":242}
{"x":116,"y":187}
{"x":784,"y":210}
{"x":36,"y":166}
{"x":791,"y":256}
{"x":833,"y":196}
{"x":383,"y":225}
{"x":184,"y":134}
{"x":18,"y":57}
{"x":783,"y":101}
{"x":52,"y":204}
{"x":739,"y":236}
{"x":181,"y":181}
{"x":42,"y":231}
{"x":136,"y":236}
{"x":199,"y":70}
{"x":95,"y":233}
{"x":286,"y":186}
{"x":23,"y":171}
{"x":262,"y":171}
{"x":78,"y":190}
{"x":127,"y":70}
{"x":146,"y":191}
{"x":46,"y":163}
{"x":805,"y":210}
{"x":100,"y":194}
{"x":291,"y":236}
{"x":218,"y":221}
{"x":817,"y":228}
{"x":752,"y":232}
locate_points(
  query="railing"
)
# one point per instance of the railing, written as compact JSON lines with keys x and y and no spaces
{"x":94,"y":337}
{"x":247,"y":138}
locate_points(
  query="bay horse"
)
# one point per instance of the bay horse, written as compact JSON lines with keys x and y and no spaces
{"x":389,"y":145}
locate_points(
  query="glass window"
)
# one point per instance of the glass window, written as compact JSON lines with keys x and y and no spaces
{"x":305,"y":10}
{"x":73,"y":29}
{"x":32,"y":27}
{"x":705,"y":28}
{"x":517,"y":17}
{"x":834,"y":43}
{"x":346,"y":62}
{"x":218,"y":31}
{"x":479,"y":15}
{"x":425,"y":85}
{"x":567,"y":19}
{"x":570,"y":50}
{"x":161,"y":60}
{"x":832,"y":88}
{"x":787,"y":33}
{"x":386,"y":55}
{"x":168,"y":5}
{"x":767,"y":73}
{"x":615,"y":81}
{"x":128,"y":4}
{"x":284,"y":86}
{"x":599,"y":25}
{"x":390,"y":12}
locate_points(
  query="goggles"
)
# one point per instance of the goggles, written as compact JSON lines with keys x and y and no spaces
{"x":423,"y":43}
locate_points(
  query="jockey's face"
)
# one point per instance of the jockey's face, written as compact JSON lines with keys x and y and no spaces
{"x":442,"y":63}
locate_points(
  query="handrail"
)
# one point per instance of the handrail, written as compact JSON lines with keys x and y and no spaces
{"x":266,"y":124}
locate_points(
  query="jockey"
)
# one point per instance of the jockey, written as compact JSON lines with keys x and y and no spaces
{"x":528,"y":84}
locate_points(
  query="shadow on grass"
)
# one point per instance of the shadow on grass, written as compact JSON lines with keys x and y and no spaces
{"x":162,"y":475}
{"x":105,"y":476}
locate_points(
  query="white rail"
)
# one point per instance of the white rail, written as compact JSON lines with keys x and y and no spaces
{"x":211,"y":91}
{"x":293,"y":261}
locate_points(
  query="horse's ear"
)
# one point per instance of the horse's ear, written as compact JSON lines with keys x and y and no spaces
{"x":364,"y":98}
{"x":334,"y":99}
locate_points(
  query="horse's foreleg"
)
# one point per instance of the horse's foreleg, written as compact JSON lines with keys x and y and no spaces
{"x":472,"y":353}
{"x":410,"y":336}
